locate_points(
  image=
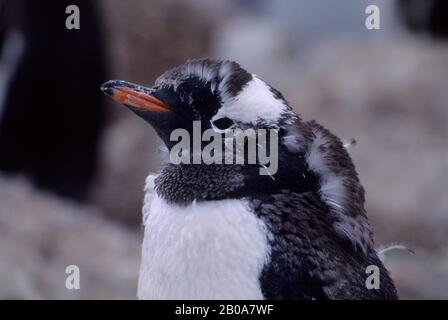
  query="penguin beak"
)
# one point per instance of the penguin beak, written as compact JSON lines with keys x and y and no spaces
{"x":134,"y":96}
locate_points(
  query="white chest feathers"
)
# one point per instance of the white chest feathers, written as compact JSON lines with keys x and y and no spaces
{"x":208,"y":250}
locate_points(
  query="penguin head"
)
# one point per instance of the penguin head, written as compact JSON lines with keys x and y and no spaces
{"x":219,"y":94}
{"x":223,"y":97}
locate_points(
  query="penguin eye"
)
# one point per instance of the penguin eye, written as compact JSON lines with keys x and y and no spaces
{"x":223,"y":123}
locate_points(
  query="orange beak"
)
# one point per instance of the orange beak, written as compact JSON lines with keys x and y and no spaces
{"x":133,"y":95}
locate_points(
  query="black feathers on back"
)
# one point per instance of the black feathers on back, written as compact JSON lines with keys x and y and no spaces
{"x":308,"y":261}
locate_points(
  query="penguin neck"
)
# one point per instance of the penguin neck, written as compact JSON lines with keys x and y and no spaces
{"x":184,"y":184}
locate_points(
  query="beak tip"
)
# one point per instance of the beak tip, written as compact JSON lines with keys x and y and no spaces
{"x":108,"y":88}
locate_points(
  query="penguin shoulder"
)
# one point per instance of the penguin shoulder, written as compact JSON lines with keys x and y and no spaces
{"x":338,"y":183}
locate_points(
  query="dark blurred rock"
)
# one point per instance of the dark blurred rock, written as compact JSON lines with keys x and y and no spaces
{"x":430,"y":16}
{"x":53,"y":113}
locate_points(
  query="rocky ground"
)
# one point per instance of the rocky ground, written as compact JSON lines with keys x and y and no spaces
{"x":41,"y":235}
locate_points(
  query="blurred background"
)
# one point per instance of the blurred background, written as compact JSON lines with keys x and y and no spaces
{"x":73,"y":164}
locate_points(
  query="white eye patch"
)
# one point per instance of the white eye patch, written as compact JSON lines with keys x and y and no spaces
{"x":256,"y":102}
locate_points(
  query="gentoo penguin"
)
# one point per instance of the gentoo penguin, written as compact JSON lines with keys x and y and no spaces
{"x":219,"y":231}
